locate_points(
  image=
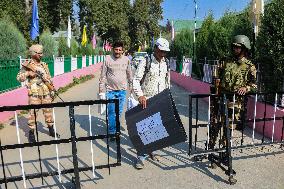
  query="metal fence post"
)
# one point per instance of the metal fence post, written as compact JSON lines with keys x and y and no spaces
{"x":117,"y":136}
{"x":74,"y":147}
{"x":190,"y":124}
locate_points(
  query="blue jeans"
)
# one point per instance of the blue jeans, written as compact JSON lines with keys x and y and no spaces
{"x":121,"y":96}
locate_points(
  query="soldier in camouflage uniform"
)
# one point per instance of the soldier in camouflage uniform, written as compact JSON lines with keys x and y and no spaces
{"x":236,"y":76}
{"x":38,"y":91}
{"x":239,"y":76}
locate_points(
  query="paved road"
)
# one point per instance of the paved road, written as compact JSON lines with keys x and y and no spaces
{"x":256,"y":168}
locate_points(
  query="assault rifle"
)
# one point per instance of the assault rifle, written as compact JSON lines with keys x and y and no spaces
{"x":49,"y":85}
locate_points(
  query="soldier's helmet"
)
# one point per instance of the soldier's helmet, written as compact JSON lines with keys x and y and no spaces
{"x":242,"y":40}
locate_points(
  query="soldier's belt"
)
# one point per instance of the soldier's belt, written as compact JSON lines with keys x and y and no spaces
{"x":39,"y":96}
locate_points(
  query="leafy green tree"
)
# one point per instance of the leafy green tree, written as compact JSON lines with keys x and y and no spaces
{"x":243,"y":25}
{"x":182,"y":46}
{"x":50,"y":46}
{"x":74,"y":47}
{"x":88,"y":50}
{"x":143,"y":21}
{"x":270,"y":46}
{"x":19,"y":16}
{"x":202,"y":40}
{"x":108,"y":18}
{"x":219,"y":46}
{"x":62,"y":47}
{"x":50,"y":14}
{"x":12,"y":41}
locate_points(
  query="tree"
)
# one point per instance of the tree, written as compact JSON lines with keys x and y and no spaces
{"x":143,"y":21}
{"x":12,"y":41}
{"x":62,"y":47}
{"x":50,"y":46}
{"x":182,"y":46}
{"x":17,"y":15}
{"x":202,"y":40}
{"x":108,"y":18}
{"x":270,"y":46}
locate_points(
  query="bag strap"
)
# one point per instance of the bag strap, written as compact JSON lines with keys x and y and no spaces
{"x":147,"y":68}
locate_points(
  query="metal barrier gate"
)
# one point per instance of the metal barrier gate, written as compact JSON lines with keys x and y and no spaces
{"x":217,"y":130}
{"x":73,"y":140}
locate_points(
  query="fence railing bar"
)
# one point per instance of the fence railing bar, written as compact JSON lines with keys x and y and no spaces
{"x":59,"y":141}
{"x":196,"y":121}
{"x":3,"y":165}
{"x":264,"y":121}
{"x":20,"y":150}
{"x":190,"y":124}
{"x":282,"y":130}
{"x":53,"y":173}
{"x":233,"y":118}
{"x":92,"y":150}
{"x":107,"y":126}
{"x":209,"y":121}
{"x":254,"y":116}
{"x":74,"y":147}
{"x":55,"y":105}
{"x":274,"y":115}
{"x":56,"y":146}
{"x":117,"y":138}
{"x":38,"y":149}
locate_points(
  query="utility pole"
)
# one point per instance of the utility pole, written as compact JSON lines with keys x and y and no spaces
{"x":194,"y":37}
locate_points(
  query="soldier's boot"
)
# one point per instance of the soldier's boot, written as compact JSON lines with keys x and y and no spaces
{"x":52,"y":132}
{"x":32,"y":136}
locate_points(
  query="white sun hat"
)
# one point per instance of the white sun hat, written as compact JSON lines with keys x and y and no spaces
{"x":163,"y":44}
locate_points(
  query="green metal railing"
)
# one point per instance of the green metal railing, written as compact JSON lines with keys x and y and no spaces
{"x":8,"y":74}
{"x":79,"y":62}
{"x":50,"y":62}
{"x":10,"y":68}
{"x":67,"y":64}
{"x":87,"y":61}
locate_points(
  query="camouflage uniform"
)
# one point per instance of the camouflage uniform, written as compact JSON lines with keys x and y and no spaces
{"x":38,"y":92}
{"x":234,"y":75}
{"x":237,"y":74}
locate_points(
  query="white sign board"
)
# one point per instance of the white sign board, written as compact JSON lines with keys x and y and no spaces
{"x":187,"y":67}
{"x":58,"y":66}
{"x":151,"y":129}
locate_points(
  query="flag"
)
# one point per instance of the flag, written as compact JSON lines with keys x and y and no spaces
{"x":69,"y":35}
{"x":173,"y":31}
{"x":107,"y":46}
{"x":35,"y":21}
{"x":84,"y":37}
{"x":94,"y":42}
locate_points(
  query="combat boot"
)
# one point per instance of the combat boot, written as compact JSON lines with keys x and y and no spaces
{"x":31,"y":136}
{"x":52,"y":132}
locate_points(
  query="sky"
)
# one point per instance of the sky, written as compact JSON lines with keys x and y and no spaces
{"x":184,"y":9}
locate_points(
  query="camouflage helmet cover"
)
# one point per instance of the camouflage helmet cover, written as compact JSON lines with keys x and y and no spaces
{"x":242,"y":40}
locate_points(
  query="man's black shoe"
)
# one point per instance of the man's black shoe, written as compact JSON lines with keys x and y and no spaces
{"x":52,"y":133}
{"x":31,"y":136}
